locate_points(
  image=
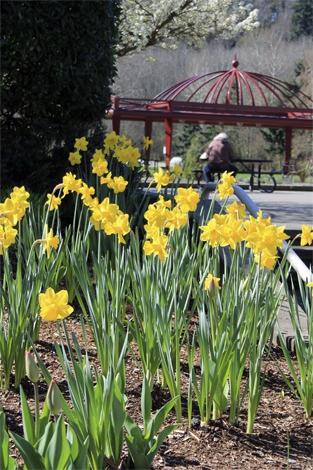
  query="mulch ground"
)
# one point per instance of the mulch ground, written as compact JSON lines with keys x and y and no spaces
{"x":282,"y":436}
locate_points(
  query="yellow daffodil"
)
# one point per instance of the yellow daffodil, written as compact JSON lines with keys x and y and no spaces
{"x":163,"y":203}
{"x":224,"y":190}
{"x":19,"y":197}
{"x":70,"y":183}
{"x":211,"y":284}
{"x":128,"y":156}
{"x":107,"y":179}
{"x":118,"y":184}
{"x":98,"y":155}
{"x":306,"y":235}
{"x":99,"y":167}
{"x":152,"y":231}
{"x":86,"y":194}
{"x":157,"y":247}
{"x":75,"y":158}
{"x":156,"y":215}
{"x":50,"y":241}
{"x":232,"y":232}
{"x":103,"y":213}
{"x":236,"y":210}
{"x":266,"y":259}
{"x":228,"y":178}
{"x":263,"y":220}
{"x":176,"y":219}
{"x":13,"y":209}
{"x":211,"y":232}
{"x":111,"y":140}
{"x":310,"y":284}
{"x":119,"y":227}
{"x":54,"y":305}
{"x":81,"y":144}
{"x":10,"y":213}
{"x":124,"y":141}
{"x":53,"y":202}
{"x":187,"y":199}
{"x":177,"y":170}
{"x":162,"y":178}
{"x":147,"y":142}
{"x":7,"y":237}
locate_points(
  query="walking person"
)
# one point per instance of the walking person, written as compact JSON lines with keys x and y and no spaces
{"x":219,"y":155}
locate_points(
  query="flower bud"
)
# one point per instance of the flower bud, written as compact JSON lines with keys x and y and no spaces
{"x":211,"y":289}
{"x":32,"y":370}
{"x":211,"y":284}
{"x":54,"y":398}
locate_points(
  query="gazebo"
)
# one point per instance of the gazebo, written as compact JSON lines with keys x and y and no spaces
{"x":231,"y":98}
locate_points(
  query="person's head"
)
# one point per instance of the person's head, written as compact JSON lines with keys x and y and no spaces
{"x":221,"y":136}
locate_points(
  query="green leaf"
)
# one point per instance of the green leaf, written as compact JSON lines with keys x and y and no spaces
{"x":161,"y":414}
{"x":139,"y":459}
{"x":30,"y":455}
{"x":58,"y":451}
{"x":28,"y":419}
{"x":146,"y":402}
{"x":132,"y":428}
{"x":81,"y":459}
{"x":45,"y":439}
{"x":159,"y":440}
{"x":44,"y":418}
{"x":6,"y":462}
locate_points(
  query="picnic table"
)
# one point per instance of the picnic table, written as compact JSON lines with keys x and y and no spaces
{"x":253,"y":167}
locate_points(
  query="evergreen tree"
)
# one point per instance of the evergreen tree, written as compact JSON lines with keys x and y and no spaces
{"x":57,"y":68}
{"x":276,"y":141}
{"x":302,"y":19}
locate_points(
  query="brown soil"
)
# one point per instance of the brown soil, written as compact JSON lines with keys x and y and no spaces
{"x":282,"y":437}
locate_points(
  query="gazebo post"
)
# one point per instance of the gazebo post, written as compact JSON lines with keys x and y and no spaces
{"x":148,"y":133}
{"x":168,"y":125}
{"x":288,"y":139}
{"x":116,"y":119}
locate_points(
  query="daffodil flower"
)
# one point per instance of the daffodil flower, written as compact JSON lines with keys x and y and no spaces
{"x":118,"y":184}
{"x":54,"y":305}
{"x":147,"y":142}
{"x":81,"y":144}
{"x":306,"y":235}
{"x":75,"y":158}
{"x":100,"y":166}
{"x":162,"y":178}
{"x":50,"y":241}
{"x":7,"y":237}
{"x":187,"y":199}
{"x":53,"y":202}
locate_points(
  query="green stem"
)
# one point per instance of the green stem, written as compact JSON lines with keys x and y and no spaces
{"x":36,"y":396}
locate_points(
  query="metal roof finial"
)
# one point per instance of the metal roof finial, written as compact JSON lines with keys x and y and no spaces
{"x":235,"y":62}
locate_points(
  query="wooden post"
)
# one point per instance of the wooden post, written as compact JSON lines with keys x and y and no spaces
{"x":168,"y":141}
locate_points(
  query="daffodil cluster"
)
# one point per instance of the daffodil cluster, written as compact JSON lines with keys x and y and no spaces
{"x":12,"y":210}
{"x":225,"y":188}
{"x":163,"y":219}
{"x":262,"y":237}
{"x":115,"y":146}
{"x":104,"y":215}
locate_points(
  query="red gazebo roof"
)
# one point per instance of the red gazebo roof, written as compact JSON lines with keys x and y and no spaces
{"x":235,"y":87}
{"x":232,"y":98}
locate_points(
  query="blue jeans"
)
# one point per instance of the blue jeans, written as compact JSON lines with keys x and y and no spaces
{"x":210,"y":168}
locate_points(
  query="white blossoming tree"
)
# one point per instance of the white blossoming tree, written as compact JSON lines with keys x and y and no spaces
{"x":147,"y":23}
